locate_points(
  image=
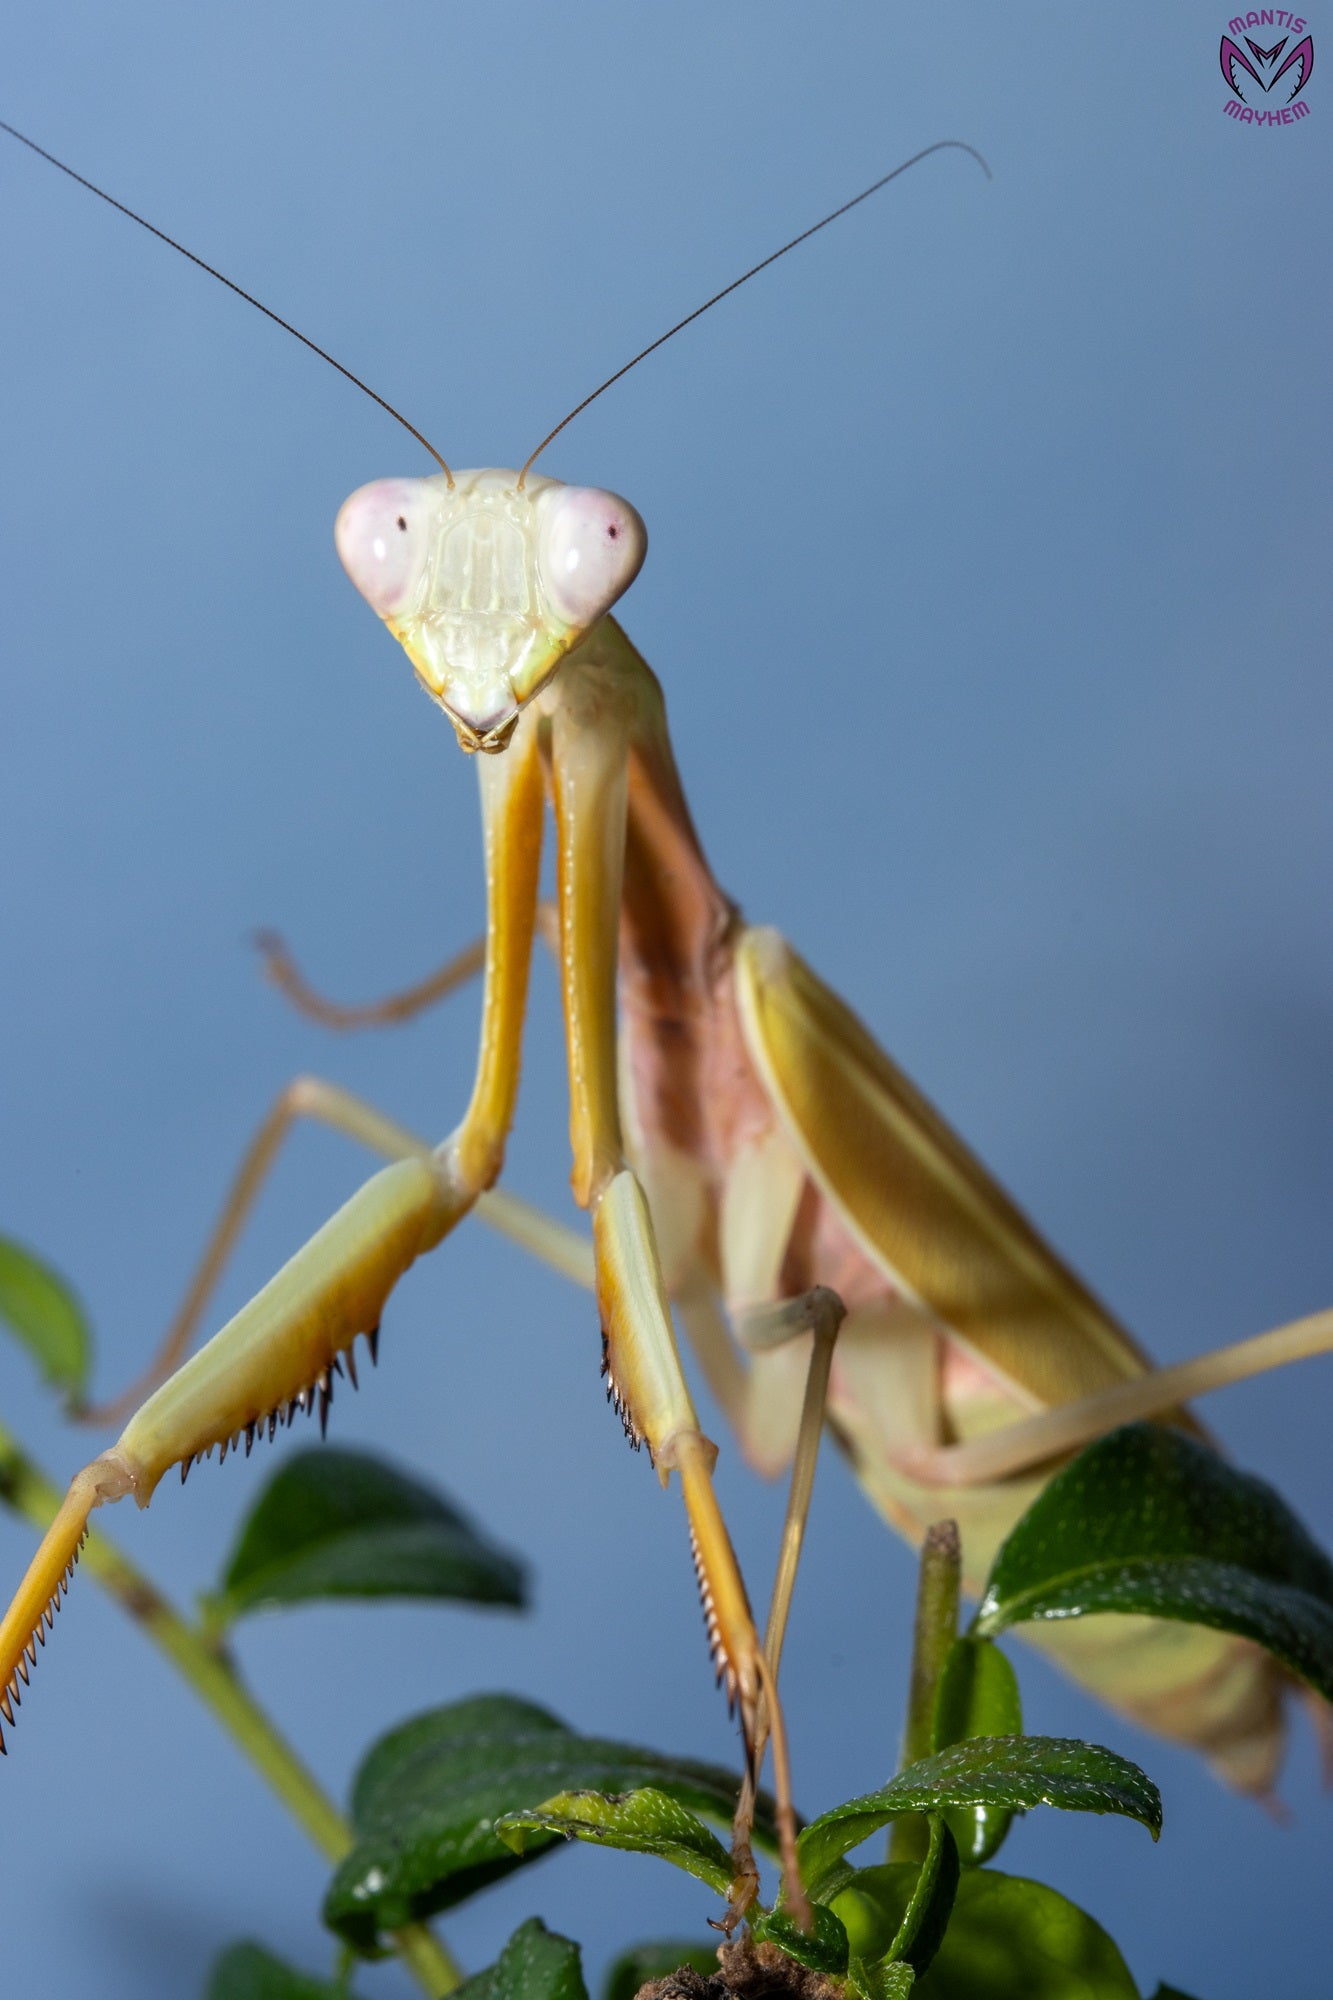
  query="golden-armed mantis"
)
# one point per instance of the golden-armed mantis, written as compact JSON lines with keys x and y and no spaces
{"x":779,"y":1150}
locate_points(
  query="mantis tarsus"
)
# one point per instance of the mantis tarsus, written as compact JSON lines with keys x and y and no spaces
{"x":779,"y":1150}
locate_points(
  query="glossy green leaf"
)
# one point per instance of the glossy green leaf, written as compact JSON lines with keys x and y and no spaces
{"x":536,"y":1964}
{"x":339,"y":1523}
{"x":248,"y":1972}
{"x":428,"y":1795}
{"x":926,"y":1917}
{"x":899,"y":1911}
{"x":977,"y":1696}
{"x":1008,"y":1939}
{"x":42,"y":1312}
{"x":823,"y":1950}
{"x":1149,"y":1520}
{"x":642,"y":1822}
{"x":871,"y":1905}
{"x":1011,"y":1772}
{"x":1011,"y":1937}
{"x":656,"y":1959}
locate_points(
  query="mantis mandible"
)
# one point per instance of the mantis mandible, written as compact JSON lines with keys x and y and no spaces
{"x":739,"y":1141}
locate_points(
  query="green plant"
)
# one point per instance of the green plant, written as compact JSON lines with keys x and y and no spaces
{"x":1147,"y":1520}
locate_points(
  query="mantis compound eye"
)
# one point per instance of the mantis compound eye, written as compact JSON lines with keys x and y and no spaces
{"x":591,"y":549}
{"x":383,"y":535}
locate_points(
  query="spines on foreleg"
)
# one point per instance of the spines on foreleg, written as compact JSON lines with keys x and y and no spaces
{"x":280,"y":1354}
{"x":318,"y":1392}
{"x":32,"y":1613}
{"x":648,"y":1392}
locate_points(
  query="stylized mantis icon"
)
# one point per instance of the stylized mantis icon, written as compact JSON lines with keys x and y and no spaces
{"x":1301,"y":59}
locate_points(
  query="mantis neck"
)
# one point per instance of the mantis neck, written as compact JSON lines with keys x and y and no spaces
{"x":676,"y":924}
{"x":689,"y":1085}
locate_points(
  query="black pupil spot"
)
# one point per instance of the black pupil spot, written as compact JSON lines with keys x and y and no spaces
{"x":402,"y":522}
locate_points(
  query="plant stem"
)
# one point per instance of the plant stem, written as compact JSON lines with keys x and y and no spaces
{"x":938,"y":1590}
{"x":214,"y":1678}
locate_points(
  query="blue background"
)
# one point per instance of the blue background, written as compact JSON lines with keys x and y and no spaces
{"x":989,"y":586}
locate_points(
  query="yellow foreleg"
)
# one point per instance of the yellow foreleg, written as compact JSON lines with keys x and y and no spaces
{"x":277,"y":1356}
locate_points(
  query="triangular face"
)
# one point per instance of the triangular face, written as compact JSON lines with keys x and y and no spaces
{"x":488,"y":584}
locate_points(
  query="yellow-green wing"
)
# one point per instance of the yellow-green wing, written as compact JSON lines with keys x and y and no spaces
{"x":930,"y":1217}
{"x":922,"y":1206}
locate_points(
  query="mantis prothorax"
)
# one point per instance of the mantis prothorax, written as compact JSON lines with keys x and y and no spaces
{"x":742,"y":1146}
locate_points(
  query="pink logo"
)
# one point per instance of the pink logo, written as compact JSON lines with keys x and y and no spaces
{"x":1266,"y":81}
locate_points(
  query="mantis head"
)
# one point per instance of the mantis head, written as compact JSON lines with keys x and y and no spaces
{"x":489,"y":578}
{"x":488,"y":582}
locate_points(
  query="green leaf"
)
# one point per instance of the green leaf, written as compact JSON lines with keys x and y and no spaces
{"x":1013,"y":1772}
{"x":1008,"y":1936}
{"x":48,"y":1320}
{"x":248,"y":1972}
{"x":899,"y":1911}
{"x":642,"y":1822}
{"x":338,"y":1523}
{"x":896,"y":1982}
{"x":871,"y":1905}
{"x":1008,"y":1939}
{"x":926,"y":1917}
{"x":1149,"y":1520}
{"x":657,"y":1959}
{"x":822,"y":1950}
{"x":428,"y":1795}
{"x":977,"y":1696}
{"x":536,"y":1964}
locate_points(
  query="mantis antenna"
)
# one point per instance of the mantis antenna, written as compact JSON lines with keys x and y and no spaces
{"x":939,"y":146}
{"x":232,"y":286}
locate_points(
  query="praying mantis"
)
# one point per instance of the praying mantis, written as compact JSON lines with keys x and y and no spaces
{"x":765,"y":1130}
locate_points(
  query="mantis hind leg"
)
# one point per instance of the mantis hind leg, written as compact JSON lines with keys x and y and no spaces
{"x":1029,"y":1442}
